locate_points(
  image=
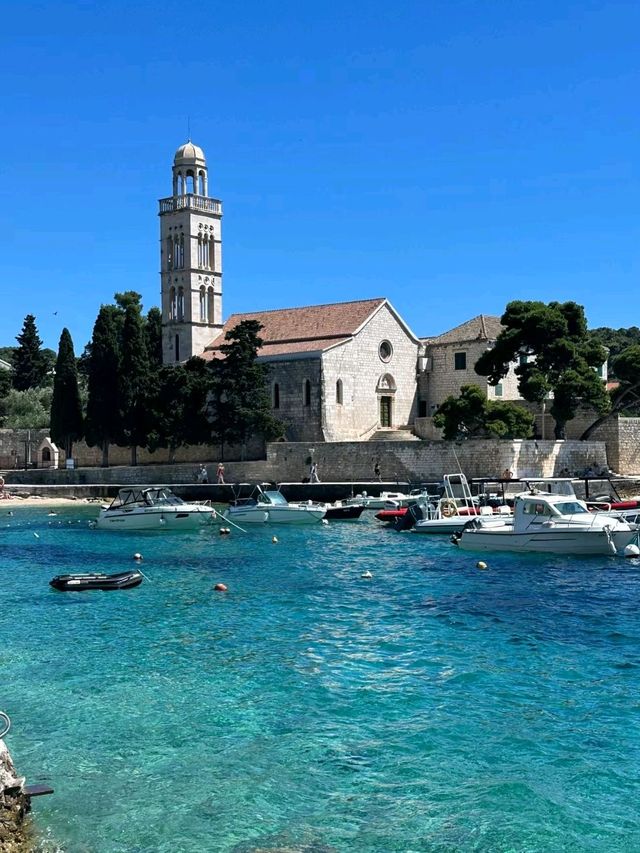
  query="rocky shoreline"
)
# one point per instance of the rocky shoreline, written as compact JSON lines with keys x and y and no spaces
{"x":15,"y":826}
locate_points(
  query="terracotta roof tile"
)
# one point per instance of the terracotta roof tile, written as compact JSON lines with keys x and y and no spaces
{"x":296,"y":330}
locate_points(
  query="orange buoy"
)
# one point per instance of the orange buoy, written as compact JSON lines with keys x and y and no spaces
{"x":220,"y":587}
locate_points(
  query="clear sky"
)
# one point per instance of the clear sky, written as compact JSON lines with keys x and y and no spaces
{"x":448,"y":154}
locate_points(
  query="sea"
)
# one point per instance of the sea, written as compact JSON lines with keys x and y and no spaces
{"x":434,"y":706}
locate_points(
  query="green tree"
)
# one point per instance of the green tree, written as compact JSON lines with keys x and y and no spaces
{"x":625,"y":398}
{"x":66,"y":408}
{"x":102,"y":424}
{"x":471,"y":415}
{"x":561,"y":358}
{"x":135,"y":385}
{"x":5,"y":388}
{"x":30,"y":364}
{"x":239,"y":405}
{"x":178,"y":409}
{"x":28,"y":409}
{"x":153,"y":337}
{"x":615,"y":340}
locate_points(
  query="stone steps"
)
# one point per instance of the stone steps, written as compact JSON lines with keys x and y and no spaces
{"x":393,"y":435}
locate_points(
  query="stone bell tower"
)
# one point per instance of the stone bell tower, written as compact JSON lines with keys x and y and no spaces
{"x":190,"y":259}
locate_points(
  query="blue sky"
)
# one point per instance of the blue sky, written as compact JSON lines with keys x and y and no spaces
{"x":450,"y":155}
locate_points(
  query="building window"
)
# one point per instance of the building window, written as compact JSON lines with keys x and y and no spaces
{"x":210,"y":314}
{"x":172,"y":304}
{"x":339,"y":392}
{"x":460,"y":361}
{"x":307,"y":392}
{"x":499,"y":391}
{"x":385,"y":351}
{"x":422,"y":408}
{"x":276,"y":396}
{"x":203,"y":305}
{"x":177,"y":345}
{"x":523,"y":359}
{"x":180,"y":304}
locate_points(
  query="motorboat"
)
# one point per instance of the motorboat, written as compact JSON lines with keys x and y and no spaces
{"x":553,"y":524}
{"x":270,"y":506}
{"x":450,"y":512}
{"x":95,"y":580}
{"x":341,"y":511}
{"x":153,"y":508}
{"x":388,"y":500}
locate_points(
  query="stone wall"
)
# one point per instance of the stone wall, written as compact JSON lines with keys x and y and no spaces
{"x":14,"y":445}
{"x":302,"y":422}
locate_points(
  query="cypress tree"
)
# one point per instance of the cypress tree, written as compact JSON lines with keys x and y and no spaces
{"x":102,"y":425}
{"x":29,"y":361}
{"x":136,"y":382}
{"x":66,"y":408}
{"x":153,"y":337}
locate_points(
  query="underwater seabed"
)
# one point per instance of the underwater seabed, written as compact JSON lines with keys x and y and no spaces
{"x":431,"y":706}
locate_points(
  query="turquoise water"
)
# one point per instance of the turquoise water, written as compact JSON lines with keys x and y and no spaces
{"x":435,"y":707}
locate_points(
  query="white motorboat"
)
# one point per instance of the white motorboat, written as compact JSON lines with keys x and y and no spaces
{"x":153,"y":508}
{"x":553,"y":524}
{"x":270,"y":506}
{"x":388,"y":500}
{"x":455,"y":508}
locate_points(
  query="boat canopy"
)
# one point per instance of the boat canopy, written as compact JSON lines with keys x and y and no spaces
{"x":156,"y":496}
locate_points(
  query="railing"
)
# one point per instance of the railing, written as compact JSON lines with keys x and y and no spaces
{"x":196,"y":202}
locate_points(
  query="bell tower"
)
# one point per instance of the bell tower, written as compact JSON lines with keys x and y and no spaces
{"x":190,"y":259}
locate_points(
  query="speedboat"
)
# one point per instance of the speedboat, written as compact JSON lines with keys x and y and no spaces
{"x":270,"y":506}
{"x":388,"y":500}
{"x":152,"y":508}
{"x":450,"y":512}
{"x":95,"y":580}
{"x":341,"y":511}
{"x":553,"y":524}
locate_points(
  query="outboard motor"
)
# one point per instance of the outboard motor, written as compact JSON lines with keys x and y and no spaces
{"x":408,"y":520}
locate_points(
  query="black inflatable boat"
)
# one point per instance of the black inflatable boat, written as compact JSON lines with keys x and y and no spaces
{"x":78,"y":583}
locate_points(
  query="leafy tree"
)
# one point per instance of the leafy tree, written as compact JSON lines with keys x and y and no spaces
{"x":178,"y":409}
{"x":66,"y":408}
{"x":561,"y":358}
{"x":471,"y":415}
{"x":153,"y":337}
{"x":27,"y":409}
{"x":626,"y":397}
{"x":135,"y":387}
{"x":30,"y":364}
{"x":5,"y":388}
{"x":239,"y":405}
{"x":102,"y":425}
{"x":616,"y":341}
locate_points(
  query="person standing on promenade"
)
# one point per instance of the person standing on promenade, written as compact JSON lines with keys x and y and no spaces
{"x":204,"y":477}
{"x":313,"y":473}
{"x":220,"y":473}
{"x":376,"y":471}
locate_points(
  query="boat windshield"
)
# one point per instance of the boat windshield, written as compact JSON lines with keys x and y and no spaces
{"x":274,"y":498}
{"x":131,"y":498}
{"x":570,"y":508}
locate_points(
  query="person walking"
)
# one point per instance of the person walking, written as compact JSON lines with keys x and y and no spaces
{"x":376,"y":471}
{"x":220,"y":473}
{"x":313,"y":473}
{"x":204,"y":477}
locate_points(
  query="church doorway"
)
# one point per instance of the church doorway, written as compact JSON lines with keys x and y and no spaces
{"x":385,"y":411}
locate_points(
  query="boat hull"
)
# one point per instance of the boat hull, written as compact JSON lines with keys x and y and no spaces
{"x":181,"y":518}
{"x":276,"y":515}
{"x":548,"y":542}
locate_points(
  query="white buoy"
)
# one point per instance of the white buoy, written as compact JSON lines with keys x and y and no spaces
{"x":366,"y":575}
{"x":632,"y":551}
{"x":36,"y":535}
{"x":138,"y":557}
{"x":481,"y":565}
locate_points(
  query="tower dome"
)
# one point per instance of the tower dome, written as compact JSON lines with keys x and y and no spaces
{"x":189,"y":153}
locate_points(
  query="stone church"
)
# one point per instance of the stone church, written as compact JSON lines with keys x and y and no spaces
{"x":337,"y":372}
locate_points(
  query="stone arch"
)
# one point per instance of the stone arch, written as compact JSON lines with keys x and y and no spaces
{"x":386,"y":384}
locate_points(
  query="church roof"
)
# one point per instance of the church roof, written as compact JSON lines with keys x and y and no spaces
{"x":313,"y":328}
{"x":484,"y":327}
{"x":188,"y":152}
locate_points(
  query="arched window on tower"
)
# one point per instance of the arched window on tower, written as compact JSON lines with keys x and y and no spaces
{"x":203,"y":305}
{"x":180,"y":184}
{"x":210,"y":314}
{"x":177,"y":347}
{"x":190,"y":181}
{"x":200,"y":251}
{"x":169,"y":250}
{"x":276,"y":395}
{"x":307,"y":392}
{"x":206,"y":251}
{"x":180,"y":304}
{"x":339,"y":392}
{"x":172,"y":303}
{"x":201,"y":183}
{"x":181,"y":256}
{"x":212,"y":253}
